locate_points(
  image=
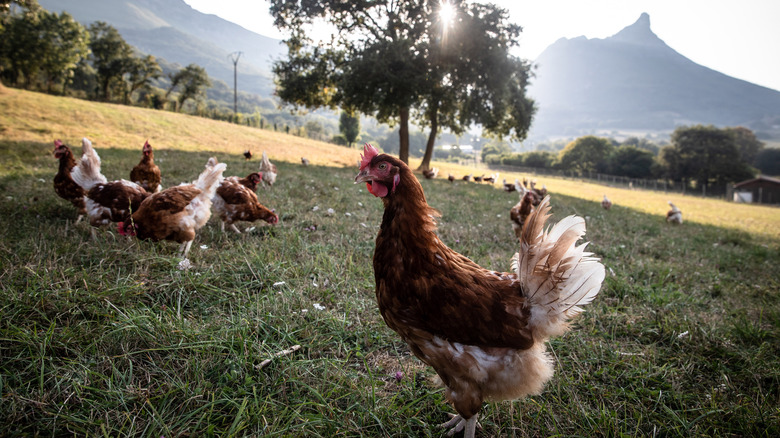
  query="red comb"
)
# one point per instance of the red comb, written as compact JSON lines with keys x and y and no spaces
{"x":369,"y":152}
{"x":57,"y":143}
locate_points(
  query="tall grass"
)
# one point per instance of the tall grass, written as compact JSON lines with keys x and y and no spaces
{"x":110,"y":337}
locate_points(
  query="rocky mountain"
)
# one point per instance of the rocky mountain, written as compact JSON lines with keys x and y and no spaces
{"x":173,"y":30}
{"x":633,"y":82}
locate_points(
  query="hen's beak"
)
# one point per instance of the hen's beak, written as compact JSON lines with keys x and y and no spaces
{"x":363,"y":176}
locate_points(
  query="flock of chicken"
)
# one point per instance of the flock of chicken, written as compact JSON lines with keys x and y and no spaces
{"x":484,"y":332}
{"x":142,"y":208}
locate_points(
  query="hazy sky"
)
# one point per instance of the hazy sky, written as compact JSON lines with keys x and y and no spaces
{"x":737,"y":38}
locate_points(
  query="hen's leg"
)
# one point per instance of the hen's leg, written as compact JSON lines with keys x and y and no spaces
{"x":222,"y":226}
{"x":185,"y":248}
{"x":458,"y":423}
{"x":235,"y":228}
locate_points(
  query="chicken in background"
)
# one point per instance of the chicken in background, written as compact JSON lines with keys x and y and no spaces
{"x":674,"y":215}
{"x":491,"y":179}
{"x":430,"y":173}
{"x":247,"y":155}
{"x":64,"y":185}
{"x":467,"y":178}
{"x":268,"y":170}
{"x":482,"y":331}
{"x":176,"y":213}
{"x":450,"y":177}
{"x":520,"y":212}
{"x":235,"y":200}
{"x":606,"y":204}
{"x":146,"y":174}
{"x":250,"y":181}
{"x":479,"y":178}
{"x":513,"y":187}
{"x":304,"y":161}
{"x":540,"y":193}
{"x":105,"y":201}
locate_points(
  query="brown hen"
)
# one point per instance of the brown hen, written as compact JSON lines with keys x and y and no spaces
{"x":146,"y":174}
{"x":482,"y":331}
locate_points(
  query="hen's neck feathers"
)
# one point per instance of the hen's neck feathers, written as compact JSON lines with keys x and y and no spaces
{"x":67,"y":162}
{"x":407,"y":214}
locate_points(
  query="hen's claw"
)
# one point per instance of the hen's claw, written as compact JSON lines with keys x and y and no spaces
{"x":458,"y":423}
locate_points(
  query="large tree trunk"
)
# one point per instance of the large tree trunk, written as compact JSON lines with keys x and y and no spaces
{"x":403,"y":134}
{"x":426,"y":161}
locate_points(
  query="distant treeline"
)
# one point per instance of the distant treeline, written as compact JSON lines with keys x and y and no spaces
{"x":53,"y":53}
{"x":704,"y":156}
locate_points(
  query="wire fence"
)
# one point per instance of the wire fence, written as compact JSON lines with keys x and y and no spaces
{"x":662,"y":185}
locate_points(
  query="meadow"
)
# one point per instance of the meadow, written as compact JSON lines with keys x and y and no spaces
{"x":110,"y":337}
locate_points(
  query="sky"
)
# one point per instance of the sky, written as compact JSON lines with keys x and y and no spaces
{"x":738,"y":38}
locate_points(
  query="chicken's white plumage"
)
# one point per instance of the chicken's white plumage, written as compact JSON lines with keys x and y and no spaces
{"x":558,"y":275}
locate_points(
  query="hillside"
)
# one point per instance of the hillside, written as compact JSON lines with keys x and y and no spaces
{"x":172,"y":30}
{"x":633,"y":81}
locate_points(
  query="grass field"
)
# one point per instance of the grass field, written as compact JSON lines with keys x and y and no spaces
{"x":110,"y":337}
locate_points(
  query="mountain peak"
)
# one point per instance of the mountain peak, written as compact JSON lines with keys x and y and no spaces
{"x":638,"y":33}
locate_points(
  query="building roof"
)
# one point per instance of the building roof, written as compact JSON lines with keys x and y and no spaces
{"x":761,"y":178}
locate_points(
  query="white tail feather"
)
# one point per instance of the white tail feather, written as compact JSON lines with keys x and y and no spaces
{"x":210,"y":178}
{"x":557,"y":275}
{"x":87,"y":173}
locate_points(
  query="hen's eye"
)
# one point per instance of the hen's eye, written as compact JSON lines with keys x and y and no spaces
{"x":383,"y":166}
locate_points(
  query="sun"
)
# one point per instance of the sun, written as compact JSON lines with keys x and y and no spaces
{"x":446,"y":12}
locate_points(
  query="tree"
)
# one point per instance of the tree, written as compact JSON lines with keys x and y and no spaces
{"x":191,"y":81}
{"x":496,"y":148}
{"x":140,"y":73}
{"x":349,"y":126}
{"x":641,"y":143}
{"x":30,"y":8}
{"x":768,"y":161}
{"x":401,"y":63}
{"x":631,"y":161}
{"x":66,"y":44}
{"x":586,"y":154}
{"x":110,"y":56}
{"x":21,"y":48}
{"x":472,"y":78}
{"x":748,"y":144}
{"x":379,"y":73}
{"x":314,"y":130}
{"x":539,"y":159}
{"x":705,"y":154}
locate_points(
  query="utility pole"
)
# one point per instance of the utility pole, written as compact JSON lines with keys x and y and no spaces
{"x":234,"y":57}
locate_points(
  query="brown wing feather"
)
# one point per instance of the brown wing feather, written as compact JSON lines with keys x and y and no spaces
{"x":235,"y":193}
{"x":171,"y":200}
{"x":120,"y":197}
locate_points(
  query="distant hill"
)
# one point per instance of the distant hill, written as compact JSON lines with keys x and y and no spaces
{"x":172,"y":30}
{"x":633,"y":82}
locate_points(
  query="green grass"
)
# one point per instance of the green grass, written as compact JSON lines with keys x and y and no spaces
{"x":109,"y":337}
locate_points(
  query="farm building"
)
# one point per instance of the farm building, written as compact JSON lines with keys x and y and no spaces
{"x":763,"y":190}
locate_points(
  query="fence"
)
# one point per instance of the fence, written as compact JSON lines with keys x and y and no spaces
{"x":666,"y":186}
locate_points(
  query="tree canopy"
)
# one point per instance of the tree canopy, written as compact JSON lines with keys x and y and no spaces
{"x":586,"y":154}
{"x":390,"y":58}
{"x":41,"y":46}
{"x":705,"y":154}
{"x":191,"y":83}
{"x":349,"y":126}
{"x":110,"y":56}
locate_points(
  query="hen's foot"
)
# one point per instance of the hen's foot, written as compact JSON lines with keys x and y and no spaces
{"x":458,"y":423}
